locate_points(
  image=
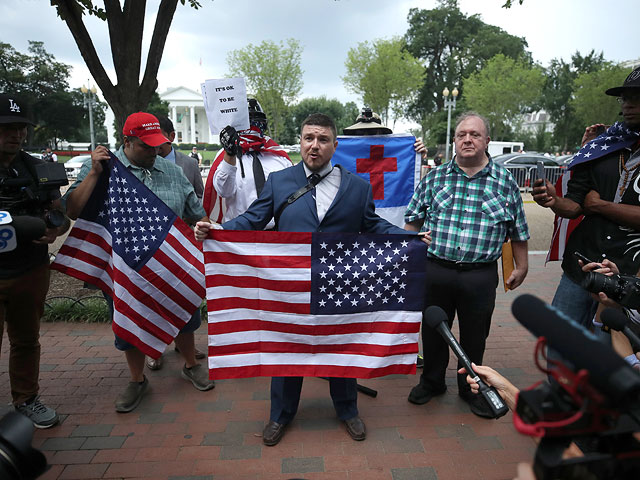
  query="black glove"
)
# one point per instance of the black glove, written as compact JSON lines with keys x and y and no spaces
{"x":230,"y":140}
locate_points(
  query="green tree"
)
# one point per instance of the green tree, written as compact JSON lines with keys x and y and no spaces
{"x":503,"y":90}
{"x":57,"y":111}
{"x":83,"y":133}
{"x":342,"y":114}
{"x":590,"y":103}
{"x":273,"y":74}
{"x":385,"y":75}
{"x":558,"y":92}
{"x":126,"y":25}
{"x":452,"y":46}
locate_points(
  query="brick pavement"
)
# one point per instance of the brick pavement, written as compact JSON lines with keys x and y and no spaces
{"x":180,"y":433}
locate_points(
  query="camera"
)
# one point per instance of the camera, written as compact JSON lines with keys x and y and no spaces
{"x":18,"y":459}
{"x":367,"y":114}
{"x":19,"y":198}
{"x":623,"y":289}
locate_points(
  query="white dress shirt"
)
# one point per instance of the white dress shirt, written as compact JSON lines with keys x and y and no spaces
{"x":240,"y":192}
{"x":326,"y":191}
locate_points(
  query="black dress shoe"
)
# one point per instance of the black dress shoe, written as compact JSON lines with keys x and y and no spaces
{"x":477,"y":404}
{"x":272,"y":433}
{"x":356,"y":428}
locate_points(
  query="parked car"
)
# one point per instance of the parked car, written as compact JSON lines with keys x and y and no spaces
{"x":74,"y":164}
{"x":524,"y":160}
{"x":35,"y":155}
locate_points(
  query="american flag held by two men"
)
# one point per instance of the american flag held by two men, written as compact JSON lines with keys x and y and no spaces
{"x":313,"y":304}
{"x":136,"y":249}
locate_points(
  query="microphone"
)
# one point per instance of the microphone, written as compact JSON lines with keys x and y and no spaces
{"x":616,"y":320}
{"x":607,"y":370}
{"x":22,"y":228}
{"x":436,"y":318}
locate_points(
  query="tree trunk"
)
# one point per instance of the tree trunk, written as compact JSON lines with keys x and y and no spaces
{"x":125,"y":26}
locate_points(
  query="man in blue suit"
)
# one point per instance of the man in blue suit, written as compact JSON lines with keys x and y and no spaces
{"x":327,"y":199}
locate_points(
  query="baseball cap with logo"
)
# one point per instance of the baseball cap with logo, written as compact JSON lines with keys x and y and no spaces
{"x":632,"y":81}
{"x":13,"y":109}
{"x":146,"y":127}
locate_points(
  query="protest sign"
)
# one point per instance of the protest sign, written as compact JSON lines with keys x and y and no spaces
{"x":225,"y":102}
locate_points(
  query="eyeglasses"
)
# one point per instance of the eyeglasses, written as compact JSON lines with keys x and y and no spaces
{"x":629,"y":98}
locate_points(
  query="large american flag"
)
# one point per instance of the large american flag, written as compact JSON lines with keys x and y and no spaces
{"x":313,"y":304}
{"x":136,"y":249}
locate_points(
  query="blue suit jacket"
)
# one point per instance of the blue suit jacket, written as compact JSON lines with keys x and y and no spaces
{"x":352,"y":210}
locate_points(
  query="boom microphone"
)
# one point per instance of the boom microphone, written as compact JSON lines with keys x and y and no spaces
{"x":436,"y":318}
{"x":616,"y":320}
{"x":607,"y":371}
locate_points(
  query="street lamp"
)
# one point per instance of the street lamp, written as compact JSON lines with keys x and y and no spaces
{"x":89,"y":95}
{"x":449,"y":105}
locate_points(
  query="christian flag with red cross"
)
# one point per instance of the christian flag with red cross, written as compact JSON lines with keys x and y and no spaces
{"x":313,"y":304}
{"x":389,"y":163}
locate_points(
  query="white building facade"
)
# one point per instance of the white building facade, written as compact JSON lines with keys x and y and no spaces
{"x":186,"y":111}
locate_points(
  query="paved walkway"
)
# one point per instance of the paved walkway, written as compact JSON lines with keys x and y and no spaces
{"x":180,"y":433}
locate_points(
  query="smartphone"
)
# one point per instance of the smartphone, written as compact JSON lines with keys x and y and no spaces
{"x":540,"y":171}
{"x":600,"y":130}
{"x":584,"y":259}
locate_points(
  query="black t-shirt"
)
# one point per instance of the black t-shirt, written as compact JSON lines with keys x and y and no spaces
{"x":598,"y":237}
{"x":27,"y":255}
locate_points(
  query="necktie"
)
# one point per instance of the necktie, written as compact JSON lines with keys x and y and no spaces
{"x":258,"y":173}
{"x":314,"y":179}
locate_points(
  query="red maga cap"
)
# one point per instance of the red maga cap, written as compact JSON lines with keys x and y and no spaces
{"x":146,"y":127}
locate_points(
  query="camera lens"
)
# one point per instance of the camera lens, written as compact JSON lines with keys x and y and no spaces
{"x":54,"y":218}
{"x":594,"y":282}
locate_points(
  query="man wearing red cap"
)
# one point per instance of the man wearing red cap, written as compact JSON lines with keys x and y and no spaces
{"x":139,"y":154}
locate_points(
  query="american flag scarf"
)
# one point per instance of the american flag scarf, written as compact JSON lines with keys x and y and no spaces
{"x":251,"y":140}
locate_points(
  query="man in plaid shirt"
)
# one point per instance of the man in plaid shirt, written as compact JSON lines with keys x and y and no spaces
{"x":471,"y":206}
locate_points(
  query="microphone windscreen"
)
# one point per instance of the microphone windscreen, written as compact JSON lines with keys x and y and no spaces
{"x":607,"y":370}
{"x":434,"y":316}
{"x":28,"y":228}
{"x":614,"y":319}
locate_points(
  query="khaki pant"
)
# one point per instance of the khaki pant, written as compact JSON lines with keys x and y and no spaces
{"x":21,"y":307}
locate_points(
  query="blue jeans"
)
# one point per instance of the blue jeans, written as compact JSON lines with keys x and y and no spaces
{"x":574,"y":301}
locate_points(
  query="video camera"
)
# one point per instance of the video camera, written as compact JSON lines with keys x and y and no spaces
{"x":623,"y":289}
{"x":19,"y":198}
{"x":595,"y":403}
{"x":18,"y":459}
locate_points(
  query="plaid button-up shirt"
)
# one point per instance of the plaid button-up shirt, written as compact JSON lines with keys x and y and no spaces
{"x":469,"y":218}
{"x":165,"y":179}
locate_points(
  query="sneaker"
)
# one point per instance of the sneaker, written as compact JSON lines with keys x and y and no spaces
{"x":36,"y":411}
{"x":199,"y":353}
{"x":477,"y":404}
{"x":132,"y":395}
{"x":421,"y":394}
{"x":154,"y":364}
{"x":199,"y":376}
{"x":420,"y":361}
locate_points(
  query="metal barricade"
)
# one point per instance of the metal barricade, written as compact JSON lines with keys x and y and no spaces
{"x":526,"y":176}
{"x":520,"y":175}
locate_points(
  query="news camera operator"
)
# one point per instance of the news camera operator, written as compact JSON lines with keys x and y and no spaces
{"x":31,"y":218}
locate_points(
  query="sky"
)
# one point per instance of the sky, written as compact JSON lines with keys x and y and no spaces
{"x":199,"y":40}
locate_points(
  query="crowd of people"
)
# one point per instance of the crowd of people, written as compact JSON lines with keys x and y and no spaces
{"x":464,"y":210}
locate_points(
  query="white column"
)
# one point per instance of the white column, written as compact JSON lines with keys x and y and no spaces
{"x":192,"y":113}
{"x":174,"y":117}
